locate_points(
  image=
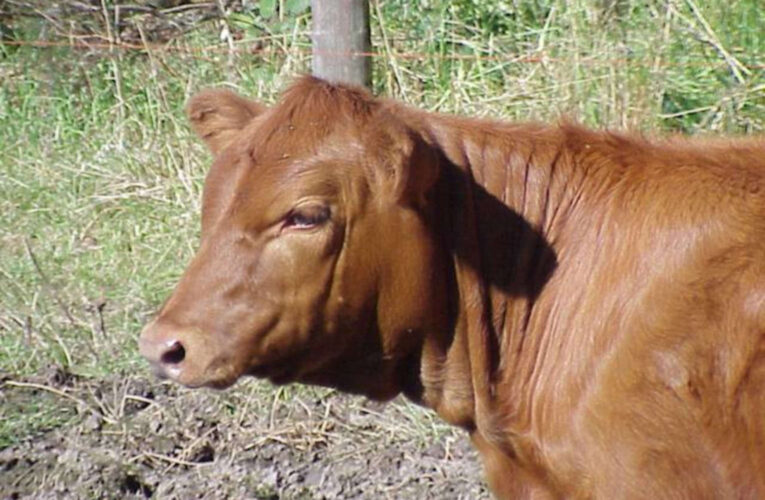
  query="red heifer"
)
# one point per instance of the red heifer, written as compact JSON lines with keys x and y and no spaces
{"x":589,"y":306}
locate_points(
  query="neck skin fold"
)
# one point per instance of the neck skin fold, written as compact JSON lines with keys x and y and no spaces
{"x":504,"y":194}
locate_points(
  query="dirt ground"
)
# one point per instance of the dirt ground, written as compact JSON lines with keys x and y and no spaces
{"x":139,"y":438}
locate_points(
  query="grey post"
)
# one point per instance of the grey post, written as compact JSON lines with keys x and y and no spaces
{"x":340,"y":38}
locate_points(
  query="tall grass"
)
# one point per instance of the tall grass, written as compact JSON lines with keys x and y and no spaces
{"x":100,"y":177}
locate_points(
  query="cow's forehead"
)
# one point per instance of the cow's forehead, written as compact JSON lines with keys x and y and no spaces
{"x":308,"y":114}
{"x":287,"y":169}
{"x":286,"y":158}
{"x":275,"y":150}
{"x":316,"y":141}
{"x":301,"y":146}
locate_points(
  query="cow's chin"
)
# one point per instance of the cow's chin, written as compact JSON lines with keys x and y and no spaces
{"x":220,"y":384}
{"x":214,"y":379}
{"x":210,"y":383}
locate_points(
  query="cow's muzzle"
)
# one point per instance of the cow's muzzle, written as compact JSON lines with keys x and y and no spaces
{"x":182,"y":355}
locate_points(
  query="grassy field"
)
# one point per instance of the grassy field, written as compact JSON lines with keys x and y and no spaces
{"x":100,"y":177}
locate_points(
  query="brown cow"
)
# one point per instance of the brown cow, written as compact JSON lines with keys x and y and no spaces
{"x":589,"y":306}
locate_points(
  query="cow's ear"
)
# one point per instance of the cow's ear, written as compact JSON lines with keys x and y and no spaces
{"x":217,"y":115}
{"x":418,"y":171}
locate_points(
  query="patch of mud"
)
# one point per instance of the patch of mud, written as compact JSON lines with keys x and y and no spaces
{"x":136,"y":438}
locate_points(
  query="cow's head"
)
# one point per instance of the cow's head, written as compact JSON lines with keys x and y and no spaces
{"x":317,"y":262}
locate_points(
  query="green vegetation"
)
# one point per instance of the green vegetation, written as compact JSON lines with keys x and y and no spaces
{"x":100,"y":177}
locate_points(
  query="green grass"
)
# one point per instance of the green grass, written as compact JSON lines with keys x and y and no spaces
{"x":100,"y":176}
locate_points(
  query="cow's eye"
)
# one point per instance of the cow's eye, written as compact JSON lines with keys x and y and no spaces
{"x":306,"y":217}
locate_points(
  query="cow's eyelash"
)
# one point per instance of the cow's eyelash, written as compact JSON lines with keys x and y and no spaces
{"x":307,"y":217}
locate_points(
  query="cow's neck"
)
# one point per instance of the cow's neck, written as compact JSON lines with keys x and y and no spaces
{"x":504,"y":194}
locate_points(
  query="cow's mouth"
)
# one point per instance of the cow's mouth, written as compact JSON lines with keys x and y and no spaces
{"x":180,"y":374}
{"x":217,"y":383}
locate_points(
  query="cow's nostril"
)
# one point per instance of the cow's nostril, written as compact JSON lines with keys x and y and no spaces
{"x":174,"y":354}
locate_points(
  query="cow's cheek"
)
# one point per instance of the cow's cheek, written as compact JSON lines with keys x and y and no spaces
{"x":294,"y":275}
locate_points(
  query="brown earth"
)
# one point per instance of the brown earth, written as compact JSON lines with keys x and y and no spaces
{"x":139,"y":438}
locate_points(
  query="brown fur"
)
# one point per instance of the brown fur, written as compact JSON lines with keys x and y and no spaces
{"x":590,"y":306}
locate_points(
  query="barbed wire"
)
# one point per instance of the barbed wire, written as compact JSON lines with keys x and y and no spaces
{"x":256,"y":50}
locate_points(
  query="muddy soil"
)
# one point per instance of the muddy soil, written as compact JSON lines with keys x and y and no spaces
{"x":138,"y":438}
